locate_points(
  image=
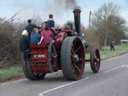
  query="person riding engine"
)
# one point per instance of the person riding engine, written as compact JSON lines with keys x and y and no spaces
{"x":51,"y":22}
{"x":35,"y":36}
{"x":46,"y":35}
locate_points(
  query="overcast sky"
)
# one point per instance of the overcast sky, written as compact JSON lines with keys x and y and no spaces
{"x":33,"y":8}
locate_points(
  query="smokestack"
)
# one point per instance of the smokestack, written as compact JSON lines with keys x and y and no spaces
{"x":77,"y":12}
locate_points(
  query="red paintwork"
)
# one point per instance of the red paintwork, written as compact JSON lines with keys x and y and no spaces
{"x":41,"y":64}
{"x":48,"y":36}
{"x":59,"y":39}
{"x":40,"y":69}
{"x":61,"y":36}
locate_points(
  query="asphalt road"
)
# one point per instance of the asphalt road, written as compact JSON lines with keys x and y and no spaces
{"x":112,"y":80}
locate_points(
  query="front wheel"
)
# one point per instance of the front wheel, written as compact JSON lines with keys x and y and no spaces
{"x":95,"y":60}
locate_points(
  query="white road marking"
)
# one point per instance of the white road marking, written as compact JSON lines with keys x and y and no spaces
{"x":116,"y":68}
{"x":125,"y":66}
{"x":40,"y":94}
{"x":62,"y":86}
{"x":113,"y":69}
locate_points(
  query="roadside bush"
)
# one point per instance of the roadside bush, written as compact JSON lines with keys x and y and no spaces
{"x":9,"y":42}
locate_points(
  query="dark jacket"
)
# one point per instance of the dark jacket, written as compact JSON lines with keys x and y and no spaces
{"x":24,"y":43}
{"x":30,"y":28}
{"x":50,"y":23}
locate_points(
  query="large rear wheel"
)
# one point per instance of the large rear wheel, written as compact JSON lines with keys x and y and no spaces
{"x":72,"y":58}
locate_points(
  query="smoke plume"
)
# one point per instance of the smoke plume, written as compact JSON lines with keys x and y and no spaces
{"x":61,"y":6}
{"x":66,"y":4}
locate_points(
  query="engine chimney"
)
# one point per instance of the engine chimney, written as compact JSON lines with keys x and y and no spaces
{"x":77,"y":12}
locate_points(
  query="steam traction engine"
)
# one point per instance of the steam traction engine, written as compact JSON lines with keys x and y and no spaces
{"x":66,"y":52}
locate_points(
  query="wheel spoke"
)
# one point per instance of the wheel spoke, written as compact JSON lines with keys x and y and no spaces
{"x":77,"y":49}
{"x":77,"y":68}
{"x":97,"y":59}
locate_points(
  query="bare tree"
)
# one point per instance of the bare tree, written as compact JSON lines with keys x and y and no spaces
{"x":107,"y":24}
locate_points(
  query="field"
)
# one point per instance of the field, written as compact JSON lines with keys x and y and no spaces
{"x":119,"y":50}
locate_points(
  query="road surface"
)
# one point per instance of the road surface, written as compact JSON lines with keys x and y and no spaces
{"x":112,"y":80}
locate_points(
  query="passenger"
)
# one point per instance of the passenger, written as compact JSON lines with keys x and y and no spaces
{"x":35,"y":36}
{"x":46,"y":36}
{"x":30,"y":27}
{"x":43,"y":27}
{"x":51,"y":22}
{"x":25,"y":40}
{"x":24,"y":43}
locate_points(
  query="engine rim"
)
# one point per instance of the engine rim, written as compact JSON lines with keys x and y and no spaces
{"x":97,"y":60}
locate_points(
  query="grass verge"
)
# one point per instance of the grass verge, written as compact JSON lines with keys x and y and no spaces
{"x":119,"y":50}
{"x":9,"y":73}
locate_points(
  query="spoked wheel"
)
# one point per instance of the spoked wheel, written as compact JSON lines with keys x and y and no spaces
{"x":72,"y":58}
{"x":27,"y":67}
{"x":95,"y":60}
